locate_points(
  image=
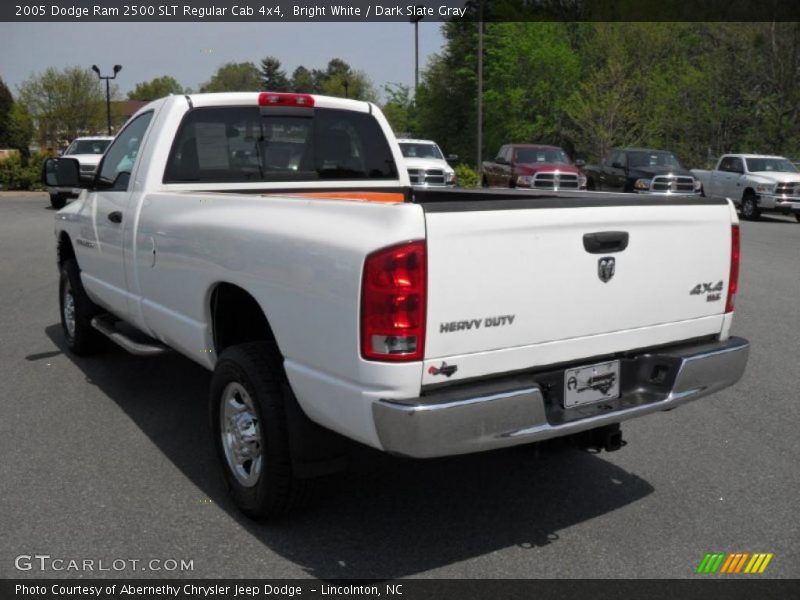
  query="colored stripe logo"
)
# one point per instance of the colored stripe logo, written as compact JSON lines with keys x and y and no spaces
{"x":734,"y":563}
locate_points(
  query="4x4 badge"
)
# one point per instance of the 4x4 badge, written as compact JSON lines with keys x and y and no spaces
{"x":605,"y":268}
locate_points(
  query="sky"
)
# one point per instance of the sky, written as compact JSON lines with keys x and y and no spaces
{"x":191,"y":52}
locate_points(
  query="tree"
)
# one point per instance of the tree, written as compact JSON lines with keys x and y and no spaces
{"x":399,"y":108}
{"x":273,"y":78}
{"x":234,"y":77}
{"x":303,"y":81}
{"x":20,"y":130}
{"x":606,"y":110}
{"x":156,"y":88}
{"x":6,"y":102}
{"x":350,"y":84}
{"x":63,"y":104}
{"x":530,"y":70}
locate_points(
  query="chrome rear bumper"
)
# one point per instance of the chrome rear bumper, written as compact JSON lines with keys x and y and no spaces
{"x":515,"y":410}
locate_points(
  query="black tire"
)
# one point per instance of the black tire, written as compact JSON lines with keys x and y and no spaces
{"x":797,"y":216}
{"x":58,"y":201}
{"x":590,"y":186}
{"x":484,"y":182}
{"x":750,"y":209}
{"x":77,"y":312}
{"x":270,"y":490}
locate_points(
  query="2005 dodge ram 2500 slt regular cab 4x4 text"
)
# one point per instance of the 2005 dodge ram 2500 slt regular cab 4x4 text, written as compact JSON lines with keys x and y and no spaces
{"x":274,"y":239}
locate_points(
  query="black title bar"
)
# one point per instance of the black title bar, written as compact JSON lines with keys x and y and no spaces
{"x":700,"y":588}
{"x":277,"y":11}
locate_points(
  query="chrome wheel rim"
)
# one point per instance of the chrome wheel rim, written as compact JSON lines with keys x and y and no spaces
{"x":241,"y":434}
{"x":748,"y":208}
{"x":68,"y":310}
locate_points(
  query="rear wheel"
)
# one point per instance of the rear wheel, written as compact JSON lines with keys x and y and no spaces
{"x":484,"y":182}
{"x":750,"y":209}
{"x":797,"y":216}
{"x":77,"y":312}
{"x":248,"y":421}
{"x":58,"y":201}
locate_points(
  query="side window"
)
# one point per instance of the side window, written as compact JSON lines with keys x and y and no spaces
{"x":725,"y":164}
{"x":501,"y":154}
{"x":737,"y":166}
{"x":115,"y":172}
{"x":509,"y":154}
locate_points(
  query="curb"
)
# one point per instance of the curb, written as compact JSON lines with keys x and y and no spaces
{"x":19,"y":195}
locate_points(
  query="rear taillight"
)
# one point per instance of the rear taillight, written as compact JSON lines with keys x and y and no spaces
{"x":393,"y":298}
{"x":733,"y":278}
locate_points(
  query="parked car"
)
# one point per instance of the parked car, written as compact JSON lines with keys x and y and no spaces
{"x":755,"y":182}
{"x":87,"y":151}
{"x":426,"y":163}
{"x":533,"y":166}
{"x":641,"y":171}
{"x":330,"y":298}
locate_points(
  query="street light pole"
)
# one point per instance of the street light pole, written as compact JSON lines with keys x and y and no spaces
{"x":480,"y":84}
{"x":415,"y":19}
{"x":117,"y":69}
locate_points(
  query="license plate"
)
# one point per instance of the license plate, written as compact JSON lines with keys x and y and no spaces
{"x":593,"y":383}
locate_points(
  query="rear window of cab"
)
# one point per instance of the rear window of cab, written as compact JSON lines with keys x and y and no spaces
{"x":239,"y":144}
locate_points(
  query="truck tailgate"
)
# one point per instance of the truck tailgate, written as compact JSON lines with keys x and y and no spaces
{"x":548,"y":277}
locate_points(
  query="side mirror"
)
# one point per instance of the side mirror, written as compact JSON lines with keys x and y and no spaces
{"x":617,"y":165}
{"x":61,"y":172}
{"x":580,"y":163}
{"x":452,"y":158}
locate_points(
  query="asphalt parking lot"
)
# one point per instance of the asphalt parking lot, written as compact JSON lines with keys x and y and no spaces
{"x":110,"y":458}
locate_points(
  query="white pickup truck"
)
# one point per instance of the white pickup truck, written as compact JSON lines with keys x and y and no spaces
{"x":275,"y":240}
{"x":755,"y":183}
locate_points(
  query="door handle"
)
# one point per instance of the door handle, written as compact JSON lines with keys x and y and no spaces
{"x":604,"y":242}
{"x":115,"y":217}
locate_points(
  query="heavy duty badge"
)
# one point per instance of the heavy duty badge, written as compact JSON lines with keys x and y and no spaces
{"x":605,"y":268}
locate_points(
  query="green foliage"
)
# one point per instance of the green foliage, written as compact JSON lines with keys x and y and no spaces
{"x":302,"y":81}
{"x":18,"y":173}
{"x":698,"y":89}
{"x":6,"y":102}
{"x":447,"y":97}
{"x":530,"y":70}
{"x":467,"y":177}
{"x":234,"y":77}
{"x":63,"y":104}
{"x":20,"y":129}
{"x":273,"y":77}
{"x":399,"y":108}
{"x":155,"y":88}
{"x":339,"y":79}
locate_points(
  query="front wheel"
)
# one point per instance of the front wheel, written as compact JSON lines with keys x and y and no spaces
{"x":77,"y":312}
{"x":58,"y":201}
{"x":750,"y":208}
{"x":797,"y":216}
{"x":248,"y":422}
